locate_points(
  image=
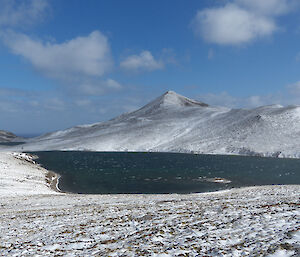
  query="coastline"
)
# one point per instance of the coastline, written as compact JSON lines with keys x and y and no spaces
{"x":20,"y":175}
{"x":206,"y":180}
{"x":28,"y":163}
{"x":52,"y":179}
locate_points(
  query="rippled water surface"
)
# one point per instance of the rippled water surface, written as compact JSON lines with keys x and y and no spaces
{"x":126,"y":172}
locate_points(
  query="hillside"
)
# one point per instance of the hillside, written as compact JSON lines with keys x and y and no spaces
{"x":174,"y":123}
{"x":7,"y":136}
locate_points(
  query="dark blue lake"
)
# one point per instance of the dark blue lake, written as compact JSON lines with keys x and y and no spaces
{"x":128,"y":172}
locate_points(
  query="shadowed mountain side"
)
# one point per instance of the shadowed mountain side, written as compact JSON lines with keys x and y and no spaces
{"x":6,"y":137}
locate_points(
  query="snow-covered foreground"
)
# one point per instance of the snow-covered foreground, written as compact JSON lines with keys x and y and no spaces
{"x":19,"y":175}
{"x":257,"y":221}
{"x":242,"y":222}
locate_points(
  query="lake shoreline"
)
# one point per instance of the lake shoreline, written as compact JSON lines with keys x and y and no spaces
{"x":133,"y":172}
{"x":249,"y":221}
{"x":52,"y":180}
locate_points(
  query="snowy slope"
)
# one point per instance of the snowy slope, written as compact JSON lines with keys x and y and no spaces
{"x":6,"y":136}
{"x":177,"y":124}
{"x":20,"y":176}
{"x":36,"y":221}
{"x":257,"y":221}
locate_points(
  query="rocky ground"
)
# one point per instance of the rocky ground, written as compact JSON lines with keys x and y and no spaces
{"x":256,"y":221}
{"x":242,"y":222}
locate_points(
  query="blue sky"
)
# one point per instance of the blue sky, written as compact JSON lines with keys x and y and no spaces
{"x":66,"y":64}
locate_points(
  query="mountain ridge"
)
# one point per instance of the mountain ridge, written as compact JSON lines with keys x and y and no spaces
{"x":172,"y":98}
{"x":6,"y":136}
{"x":174,"y":123}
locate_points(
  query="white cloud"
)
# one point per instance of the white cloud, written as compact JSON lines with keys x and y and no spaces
{"x":289,"y":95}
{"x":144,"y":61}
{"x":113,"y":84}
{"x":221,"y":99}
{"x":268,"y":7}
{"x":256,"y":100}
{"x":240,"y":21}
{"x":16,"y":13}
{"x":81,"y":56}
{"x":98,"y":87}
{"x":225,"y":99}
{"x":55,"y":104}
{"x":8,"y":107}
{"x":83,"y":102}
{"x":294,"y":88}
{"x":231,"y":25}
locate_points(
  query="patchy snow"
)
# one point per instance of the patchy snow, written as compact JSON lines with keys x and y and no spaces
{"x":255,"y":221}
{"x":19,"y":175}
{"x":174,"y":123}
{"x":282,"y":253}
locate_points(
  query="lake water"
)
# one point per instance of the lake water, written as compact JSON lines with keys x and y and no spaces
{"x":126,"y":172}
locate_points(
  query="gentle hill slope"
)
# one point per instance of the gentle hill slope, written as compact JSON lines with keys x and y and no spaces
{"x":175,"y":123}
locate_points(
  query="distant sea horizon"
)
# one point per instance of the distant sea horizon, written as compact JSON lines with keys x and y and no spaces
{"x":28,"y":135}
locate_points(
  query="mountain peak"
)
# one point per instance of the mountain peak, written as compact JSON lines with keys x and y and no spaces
{"x":170,"y":92}
{"x":172,"y":98}
{"x":169,"y":99}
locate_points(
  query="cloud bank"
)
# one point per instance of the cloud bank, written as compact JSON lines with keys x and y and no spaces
{"x":79,"y":64}
{"x":88,"y":55}
{"x":290,"y":95}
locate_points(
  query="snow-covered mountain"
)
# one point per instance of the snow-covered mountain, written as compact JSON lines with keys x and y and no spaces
{"x":174,"y":123}
{"x":6,"y":136}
